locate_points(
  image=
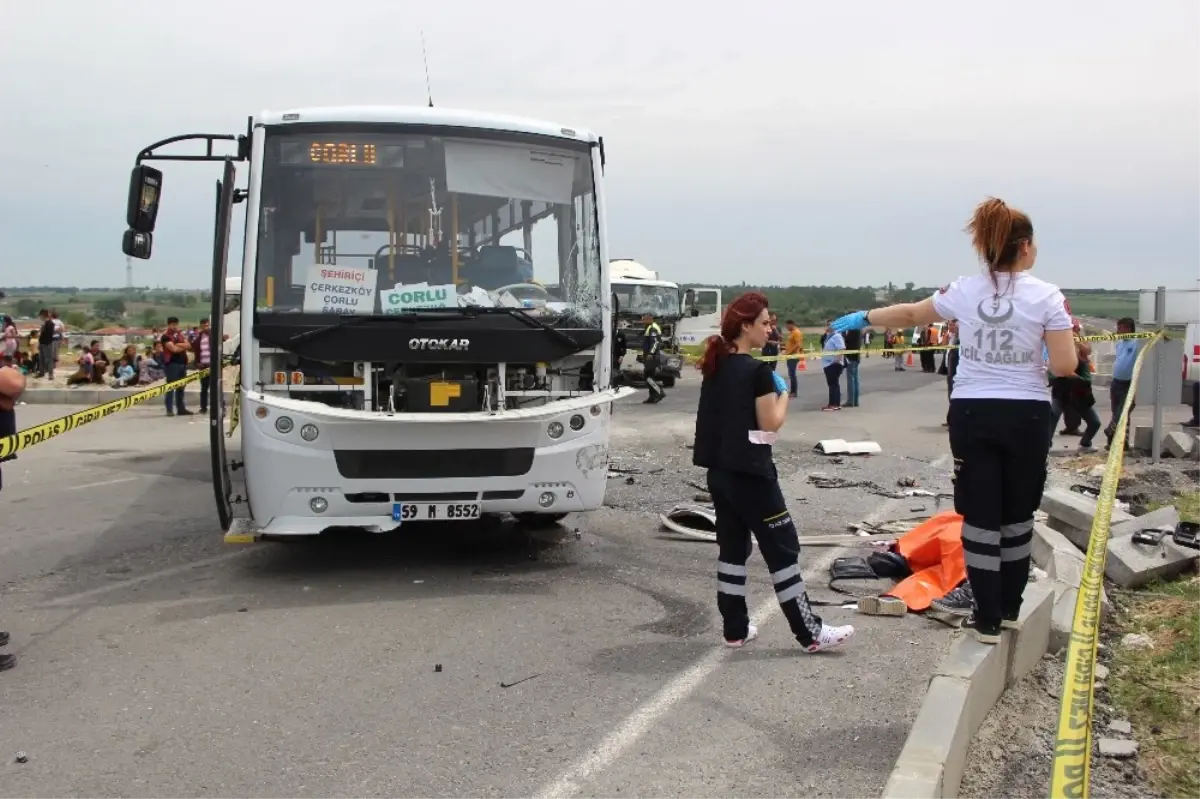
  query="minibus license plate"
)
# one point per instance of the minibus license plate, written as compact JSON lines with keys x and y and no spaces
{"x":434,"y":512}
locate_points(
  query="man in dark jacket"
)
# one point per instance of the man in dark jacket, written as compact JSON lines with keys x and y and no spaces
{"x":46,"y":345}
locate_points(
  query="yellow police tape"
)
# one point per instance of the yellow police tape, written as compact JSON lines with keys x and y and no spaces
{"x":1073,"y":742}
{"x":64,"y":424}
{"x":814,"y":354}
{"x":48,"y":430}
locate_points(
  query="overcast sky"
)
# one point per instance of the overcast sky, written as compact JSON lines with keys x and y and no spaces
{"x":773,"y":142}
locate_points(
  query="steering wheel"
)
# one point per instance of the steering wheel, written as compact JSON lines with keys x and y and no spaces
{"x":539,"y":289}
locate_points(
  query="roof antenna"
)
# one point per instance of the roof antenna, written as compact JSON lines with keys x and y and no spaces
{"x":425,"y":58}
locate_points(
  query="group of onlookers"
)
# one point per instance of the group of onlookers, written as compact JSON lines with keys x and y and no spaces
{"x":834,"y":364}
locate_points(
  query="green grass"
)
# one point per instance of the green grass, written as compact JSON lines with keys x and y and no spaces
{"x":1104,"y":305}
{"x":1158,"y":689}
{"x":1188,"y":505}
{"x":83,"y":303}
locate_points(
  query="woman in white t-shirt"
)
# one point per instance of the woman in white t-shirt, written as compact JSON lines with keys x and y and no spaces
{"x":999,"y":406}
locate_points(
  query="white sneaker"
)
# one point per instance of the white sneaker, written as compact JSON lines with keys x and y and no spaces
{"x":751,"y":634}
{"x":830,"y":637}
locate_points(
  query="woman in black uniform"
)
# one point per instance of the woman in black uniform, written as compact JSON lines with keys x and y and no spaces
{"x":743,"y":402}
{"x":1000,"y":402}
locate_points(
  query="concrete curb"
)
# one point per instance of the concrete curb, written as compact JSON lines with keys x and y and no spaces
{"x":962,"y":691}
{"x":95,"y":396}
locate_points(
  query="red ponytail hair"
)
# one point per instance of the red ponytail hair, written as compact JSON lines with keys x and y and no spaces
{"x":742,"y":311}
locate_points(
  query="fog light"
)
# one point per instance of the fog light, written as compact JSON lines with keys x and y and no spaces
{"x":309,"y":432}
{"x":597,"y":410}
{"x":284,"y":424}
{"x":318,"y":504}
{"x":554,"y":429}
{"x":546,"y":499}
{"x":577,"y":422}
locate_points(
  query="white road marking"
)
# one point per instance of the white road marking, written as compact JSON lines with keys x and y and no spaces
{"x":645,"y":716}
{"x":104,"y":483}
{"x":147,"y":578}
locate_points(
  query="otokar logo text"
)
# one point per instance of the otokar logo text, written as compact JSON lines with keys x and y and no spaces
{"x":452,"y":344}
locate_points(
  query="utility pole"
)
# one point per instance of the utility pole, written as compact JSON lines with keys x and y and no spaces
{"x":128,"y":272}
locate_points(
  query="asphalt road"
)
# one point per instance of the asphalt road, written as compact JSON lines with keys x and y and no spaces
{"x":154,"y":660}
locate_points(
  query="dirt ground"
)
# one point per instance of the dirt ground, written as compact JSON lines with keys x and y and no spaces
{"x":1012,"y":752}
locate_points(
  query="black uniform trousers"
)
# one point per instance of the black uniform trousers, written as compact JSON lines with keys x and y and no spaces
{"x":1000,"y":450}
{"x":748,"y":504}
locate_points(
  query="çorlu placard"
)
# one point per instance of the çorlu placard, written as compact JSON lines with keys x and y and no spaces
{"x":339,"y":290}
{"x":417,"y":297}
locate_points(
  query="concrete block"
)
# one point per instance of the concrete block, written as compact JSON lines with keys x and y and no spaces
{"x":932,"y":760}
{"x":1029,"y":643}
{"x":1131,"y":565}
{"x":1063,"y":615}
{"x":1178,"y":445}
{"x":984,"y":667}
{"x":1143,"y":437}
{"x":1072,"y":514}
{"x":1117,"y":748}
{"x":1054,"y":553}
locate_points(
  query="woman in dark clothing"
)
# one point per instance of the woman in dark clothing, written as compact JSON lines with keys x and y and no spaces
{"x":742,"y":406}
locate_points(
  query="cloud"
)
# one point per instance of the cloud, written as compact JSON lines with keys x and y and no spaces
{"x":767,"y":141}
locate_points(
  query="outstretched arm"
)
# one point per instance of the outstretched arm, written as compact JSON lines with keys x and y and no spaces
{"x":905,"y":314}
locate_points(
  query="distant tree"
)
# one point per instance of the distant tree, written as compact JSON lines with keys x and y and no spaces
{"x":189,"y":300}
{"x":76,"y":319}
{"x":110,"y":308}
{"x":27,"y":307}
{"x":150,"y":317}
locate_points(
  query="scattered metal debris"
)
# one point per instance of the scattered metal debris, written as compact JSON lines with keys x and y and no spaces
{"x":518,"y":682}
{"x":22,"y":757}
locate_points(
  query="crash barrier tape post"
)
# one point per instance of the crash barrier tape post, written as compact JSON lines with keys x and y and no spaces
{"x":1071,"y":771}
{"x":32,"y":436}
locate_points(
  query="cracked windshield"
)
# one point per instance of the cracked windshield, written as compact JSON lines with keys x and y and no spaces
{"x":389,"y":224}
{"x":658,"y":301}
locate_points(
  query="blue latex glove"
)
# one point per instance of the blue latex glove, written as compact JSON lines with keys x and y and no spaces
{"x":851,"y":321}
{"x":781,"y":387}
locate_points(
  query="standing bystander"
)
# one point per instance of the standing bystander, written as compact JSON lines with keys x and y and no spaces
{"x":202,"y":344}
{"x":1122,"y":375}
{"x":854,"y":342}
{"x":46,"y":345}
{"x":951,"y":363}
{"x":833,"y":365}
{"x":60,"y":333}
{"x":794,"y":349}
{"x":175,"y":350}
{"x":771,"y":348}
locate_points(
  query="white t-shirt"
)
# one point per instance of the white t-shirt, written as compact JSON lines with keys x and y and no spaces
{"x":1000,"y":334}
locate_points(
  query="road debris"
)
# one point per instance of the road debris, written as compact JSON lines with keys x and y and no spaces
{"x":518,"y":682}
{"x":839,"y":446}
